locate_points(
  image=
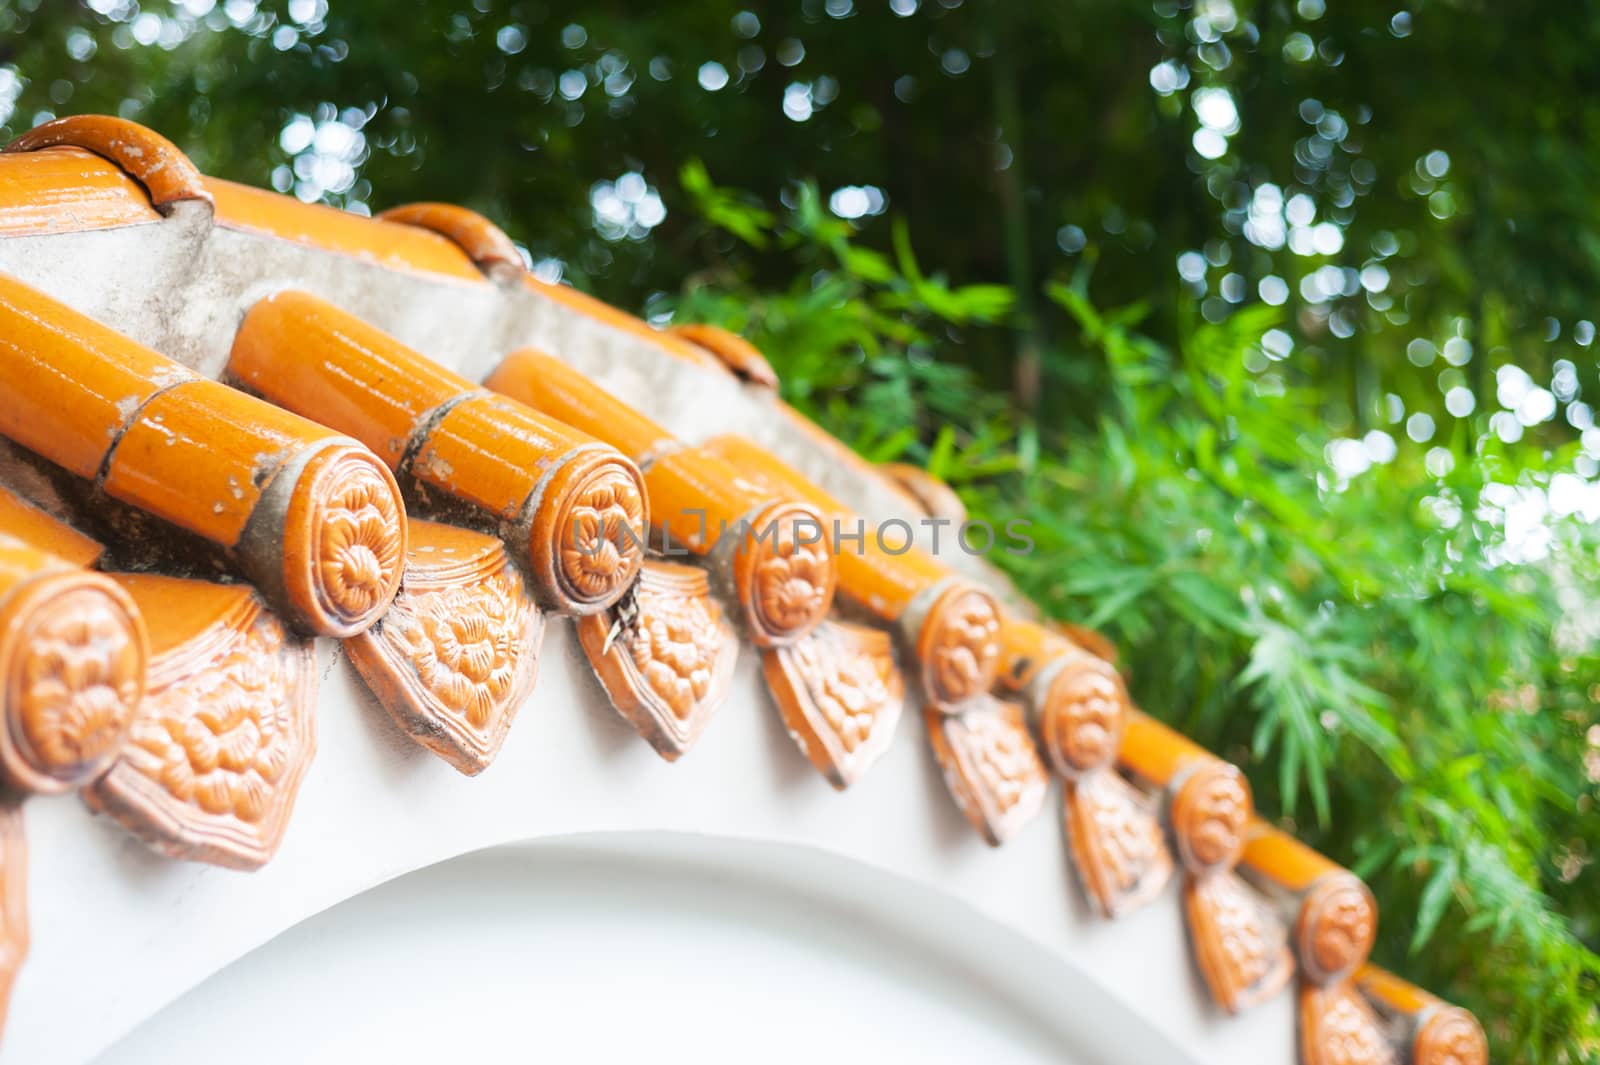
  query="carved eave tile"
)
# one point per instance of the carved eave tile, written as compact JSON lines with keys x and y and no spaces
{"x":983,"y":744}
{"x":73,"y":669}
{"x":1241,"y":944}
{"x":665,"y":656}
{"x":990,"y":764}
{"x":1335,"y":920}
{"x":1117,"y":843}
{"x":1115,"y":834}
{"x":954,"y":628}
{"x":840,"y":694}
{"x":768,"y":557}
{"x":572,"y":509}
{"x":1334,"y":932}
{"x":1338,"y":1027}
{"x":1239,"y":939}
{"x":213,"y":764}
{"x":458,"y":650}
{"x":950,"y":629}
{"x":1430,"y":1030}
{"x":74,"y":657}
{"x":782,"y":580}
{"x":1448,"y":1035}
{"x":208,"y":765}
{"x":1079,"y":706}
{"x":13,"y":899}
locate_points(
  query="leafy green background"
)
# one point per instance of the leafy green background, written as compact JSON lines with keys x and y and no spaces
{"x":1271,"y":318}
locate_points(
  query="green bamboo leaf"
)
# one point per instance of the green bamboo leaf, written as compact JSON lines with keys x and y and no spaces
{"x":1435,"y":896}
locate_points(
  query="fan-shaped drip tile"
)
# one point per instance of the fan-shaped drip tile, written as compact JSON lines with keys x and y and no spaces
{"x":665,"y":656}
{"x":458,"y":650}
{"x":1117,"y":841}
{"x":990,"y":764}
{"x":840,"y":694}
{"x":1337,"y":1027}
{"x":215,"y":760}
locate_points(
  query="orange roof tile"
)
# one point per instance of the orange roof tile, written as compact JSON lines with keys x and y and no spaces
{"x":129,"y":424}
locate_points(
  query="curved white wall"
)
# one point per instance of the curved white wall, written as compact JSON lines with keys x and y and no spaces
{"x":119,"y":933}
{"x":640,"y":948}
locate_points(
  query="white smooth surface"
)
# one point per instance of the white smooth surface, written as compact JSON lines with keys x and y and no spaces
{"x":626,"y":948}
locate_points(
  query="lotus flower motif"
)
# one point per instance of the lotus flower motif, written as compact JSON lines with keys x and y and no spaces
{"x":604,"y":534}
{"x":1451,"y":1037}
{"x":965,"y":649}
{"x":463,"y":645}
{"x":227,"y":753}
{"x":792,"y":584}
{"x":79,"y":683}
{"x":676,"y":650}
{"x":1338,"y":928}
{"x":1083,"y":716}
{"x":1209,"y":816}
{"x":361,"y":543}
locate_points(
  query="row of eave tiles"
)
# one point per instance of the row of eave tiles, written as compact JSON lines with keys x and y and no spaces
{"x":205,"y":765}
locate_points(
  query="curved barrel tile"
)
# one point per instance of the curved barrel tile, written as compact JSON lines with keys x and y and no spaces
{"x":931,"y":495}
{"x":482,"y":241}
{"x":581,"y":303}
{"x":311,"y":517}
{"x":572,"y":508}
{"x":143,"y":154}
{"x":387,"y":244}
{"x":741,"y":357}
{"x":65,"y":190}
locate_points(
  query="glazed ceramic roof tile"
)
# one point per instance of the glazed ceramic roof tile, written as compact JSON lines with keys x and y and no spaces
{"x":58,"y":190}
{"x":517,"y":511}
{"x":388,"y":244}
